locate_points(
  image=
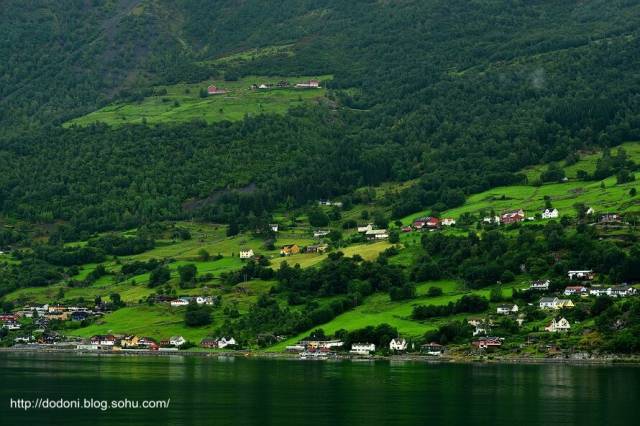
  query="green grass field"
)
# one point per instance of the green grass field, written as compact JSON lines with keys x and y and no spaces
{"x":182,"y":103}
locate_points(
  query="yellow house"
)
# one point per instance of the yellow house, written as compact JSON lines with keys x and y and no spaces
{"x":565,"y":303}
{"x":290,"y":249}
{"x":130,"y":342}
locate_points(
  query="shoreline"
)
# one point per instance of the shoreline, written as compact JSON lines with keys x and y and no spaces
{"x":612,"y":360}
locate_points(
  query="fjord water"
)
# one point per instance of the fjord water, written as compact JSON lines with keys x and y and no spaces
{"x":208,"y":391}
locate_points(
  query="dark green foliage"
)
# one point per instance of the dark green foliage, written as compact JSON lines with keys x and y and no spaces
{"x":454,"y":332}
{"x":434,"y":292}
{"x":187,"y":275}
{"x":197,"y":315}
{"x":159,"y":276}
{"x":406,"y":291}
{"x":467,"y":303}
{"x":318,"y":218}
{"x":122,"y":246}
{"x":379,"y":335}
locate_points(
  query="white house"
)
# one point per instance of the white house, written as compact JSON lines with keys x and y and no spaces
{"x":507,"y":308}
{"x":11,"y":325}
{"x":246,"y":254}
{"x":550,"y":213}
{"x":549,"y":303}
{"x":320,"y":233}
{"x":362,"y":348}
{"x":559,"y":326}
{"x":598,"y":291}
{"x":590,"y":211}
{"x":494,"y":219}
{"x":571,"y":290}
{"x":581,"y":275}
{"x":204,"y":300}
{"x":177,"y":341}
{"x":274,"y":227}
{"x":447,"y":221}
{"x":363,"y":229}
{"x":179,"y":302}
{"x":480,"y":330}
{"x":224,"y":342}
{"x":621,"y":291}
{"x":541,"y":285}
{"x":398,"y":344}
{"x":377,"y":234}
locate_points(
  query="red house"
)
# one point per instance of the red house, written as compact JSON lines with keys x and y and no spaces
{"x":512,"y":217}
{"x":487,"y":342}
{"x":426,"y":222}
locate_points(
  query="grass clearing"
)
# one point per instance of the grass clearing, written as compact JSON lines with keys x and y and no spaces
{"x":183,"y":103}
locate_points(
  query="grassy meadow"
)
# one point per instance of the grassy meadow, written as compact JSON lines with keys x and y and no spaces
{"x":379,"y":309}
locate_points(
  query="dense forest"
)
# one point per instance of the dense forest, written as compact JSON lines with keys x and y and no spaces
{"x":455,"y":94}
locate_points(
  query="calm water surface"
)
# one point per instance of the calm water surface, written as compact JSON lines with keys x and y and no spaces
{"x":285,"y":392}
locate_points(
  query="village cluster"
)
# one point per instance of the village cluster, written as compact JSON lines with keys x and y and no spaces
{"x":310,"y":349}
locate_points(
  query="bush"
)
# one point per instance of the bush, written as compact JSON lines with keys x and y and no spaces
{"x":434,"y":291}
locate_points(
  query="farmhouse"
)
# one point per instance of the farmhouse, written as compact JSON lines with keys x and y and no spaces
{"x":447,"y":221}
{"x":512,"y":217}
{"x":362,"y":348}
{"x":290,"y":249}
{"x":562,"y":325}
{"x":506,"y":309}
{"x":587,"y":275}
{"x":214,"y":90}
{"x":246,"y":254}
{"x":398,"y":344}
{"x":550,"y":213}
{"x":433,"y":349}
{"x":377,"y":234}
{"x":541,"y":285}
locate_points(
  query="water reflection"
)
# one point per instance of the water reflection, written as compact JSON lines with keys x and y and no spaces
{"x":245,"y":391}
